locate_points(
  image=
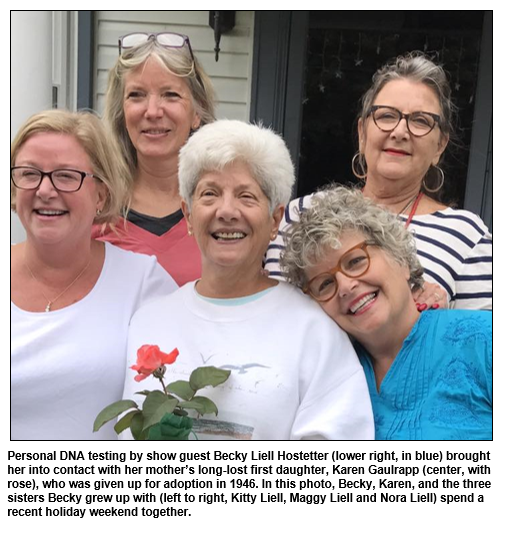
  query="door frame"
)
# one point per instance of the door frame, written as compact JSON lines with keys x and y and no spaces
{"x":278,"y":84}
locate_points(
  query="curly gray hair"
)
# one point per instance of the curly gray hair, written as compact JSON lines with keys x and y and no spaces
{"x":335,"y":210}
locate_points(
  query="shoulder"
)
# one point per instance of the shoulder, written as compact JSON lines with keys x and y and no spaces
{"x":302,"y":310}
{"x":121,"y":257}
{"x":483,"y":319}
{"x":461,"y":219}
{"x":164,"y":306}
{"x":462,"y":326}
{"x":297,"y":206}
{"x":454,"y":231}
{"x":288,"y":293}
{"x":134,"y":265}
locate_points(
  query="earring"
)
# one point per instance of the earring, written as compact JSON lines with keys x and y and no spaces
{"x":440,"y":185}
{"x":98,"y":212}
{"x":359,"y":160}
{"x":190,"y":233}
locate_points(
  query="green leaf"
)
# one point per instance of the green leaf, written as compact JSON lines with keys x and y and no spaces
{"x":124,"y":422}
{"x":112,"y":411}
{"x":208,"y":375}
{"x":143,"y":392}
{"x":182,"y":389}
{"x":156,"y":405}
{"x":136,"y":426}
{"x":201,"y":404}
{"x":152,"y":402}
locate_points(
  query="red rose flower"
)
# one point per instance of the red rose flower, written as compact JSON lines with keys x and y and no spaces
{"x":150,"y":358}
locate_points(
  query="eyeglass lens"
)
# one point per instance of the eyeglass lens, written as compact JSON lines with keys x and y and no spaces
{"x":63,"y":179}
{"x":172,"y":40}
{"x":353,"y":264}
{"x":387,"y":119}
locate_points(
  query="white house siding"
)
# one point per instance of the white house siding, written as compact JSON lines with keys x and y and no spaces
{"x":231,"y":75}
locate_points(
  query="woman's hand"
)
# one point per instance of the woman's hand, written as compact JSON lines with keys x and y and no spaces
{"x":431,"y":296}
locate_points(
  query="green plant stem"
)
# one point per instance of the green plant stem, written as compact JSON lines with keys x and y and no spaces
{"x":163,"y":386}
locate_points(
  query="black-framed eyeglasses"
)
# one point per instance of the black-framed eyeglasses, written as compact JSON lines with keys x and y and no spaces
{"x":419,"y":123}
{"x":164,"y":38}
{"x":353,"y":263}
{"x":62,"y":179}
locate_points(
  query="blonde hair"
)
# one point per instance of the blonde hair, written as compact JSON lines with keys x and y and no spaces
{"x":177,"y":62}
{"x":91,"y":135}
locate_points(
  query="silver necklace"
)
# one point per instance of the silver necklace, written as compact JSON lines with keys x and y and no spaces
{"x":410,"y":202}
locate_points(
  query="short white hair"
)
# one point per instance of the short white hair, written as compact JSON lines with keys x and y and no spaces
{"x":221,"y":143}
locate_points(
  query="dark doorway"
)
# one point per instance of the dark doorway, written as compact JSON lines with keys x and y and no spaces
{"x":345,"y":48}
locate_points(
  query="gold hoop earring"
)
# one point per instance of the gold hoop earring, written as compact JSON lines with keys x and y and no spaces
{"x":361,"y":163}
{"x":440,"y":185}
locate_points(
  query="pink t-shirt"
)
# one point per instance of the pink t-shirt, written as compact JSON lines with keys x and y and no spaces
{"x":175,"y":250}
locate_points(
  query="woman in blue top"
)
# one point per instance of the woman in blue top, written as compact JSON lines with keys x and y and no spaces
{"x":429,"y":374}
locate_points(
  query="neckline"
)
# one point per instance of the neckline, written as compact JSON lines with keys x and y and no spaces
{"x":234,"y":302}
{"x":225,"y":313}
{"x":158,"y":242}
{"x":433,"y":213}
{"x":423,"y":318}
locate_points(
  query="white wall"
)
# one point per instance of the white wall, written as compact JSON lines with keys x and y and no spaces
{"x":36,"y":66}
{"x":31,"y":87}
{"x":231,"y":75}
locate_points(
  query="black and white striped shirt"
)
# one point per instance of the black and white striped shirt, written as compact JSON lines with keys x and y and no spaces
{"x":454,"y":246}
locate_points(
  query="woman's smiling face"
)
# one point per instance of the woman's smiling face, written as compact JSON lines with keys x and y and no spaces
{"x":231,"y":219}
{"x":367,"y":305}
{"x":50,"y":216}
{"x":399,"y":155}
{"x":159,"y":111}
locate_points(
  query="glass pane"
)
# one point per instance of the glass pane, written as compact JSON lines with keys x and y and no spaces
{"x":344,"y":49}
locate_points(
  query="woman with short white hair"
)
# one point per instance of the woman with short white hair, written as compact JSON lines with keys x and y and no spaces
{"x":235,"y":180}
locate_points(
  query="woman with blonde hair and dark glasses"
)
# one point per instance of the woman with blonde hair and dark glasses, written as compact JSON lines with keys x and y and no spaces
{"x":72,"y":297}
{"x":429,"y":374}
{"x":157,"y":95}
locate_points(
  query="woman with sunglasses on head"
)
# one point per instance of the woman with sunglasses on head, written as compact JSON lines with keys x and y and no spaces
{"x":157,"y":95}
{"x":72,"y":297}
{"x":429,"y":374}
{"x":404,"y":127}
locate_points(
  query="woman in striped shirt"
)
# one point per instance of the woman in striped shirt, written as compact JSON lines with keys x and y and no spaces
{"x":404,"y":128}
